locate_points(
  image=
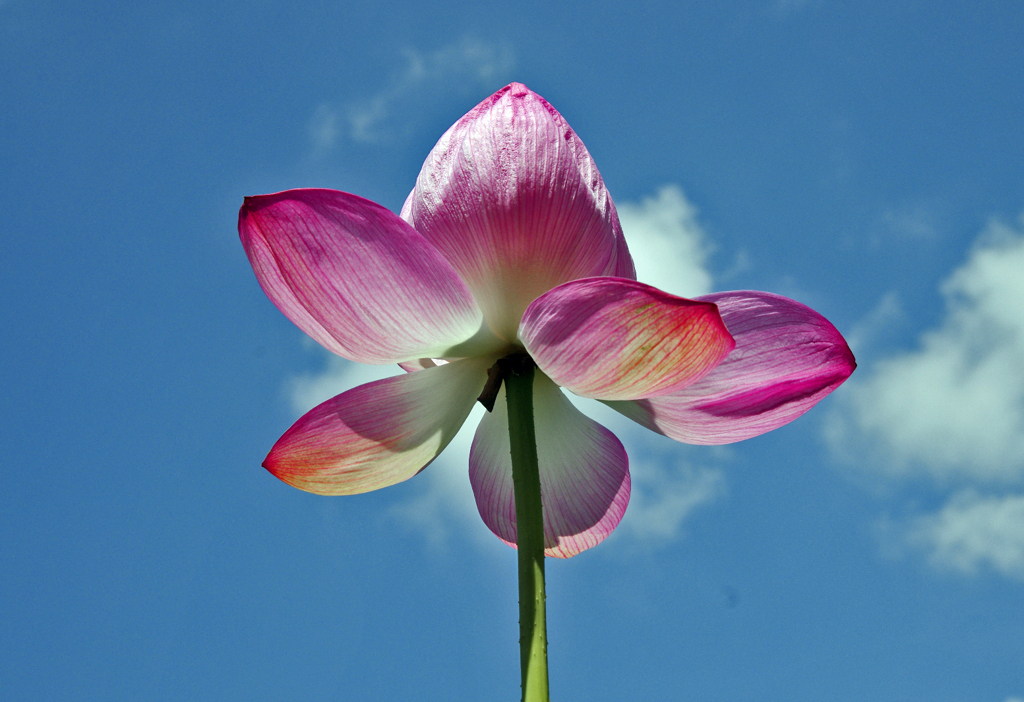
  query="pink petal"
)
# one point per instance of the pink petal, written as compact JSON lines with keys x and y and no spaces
{"x":380,"y":433}
{"x":356,"y":277}
{"x":417,"y":364}
{"x":584,"y":473}
{"x":787,"y":358}
{"x":617,"y":339}
{"x":513,"y":200}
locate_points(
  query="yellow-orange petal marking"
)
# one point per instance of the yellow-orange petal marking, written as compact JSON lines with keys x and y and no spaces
{"x":380,"y":433}
{"x":618,"y":339}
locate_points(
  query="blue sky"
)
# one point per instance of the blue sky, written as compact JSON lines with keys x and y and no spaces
{"x":864,"y":158}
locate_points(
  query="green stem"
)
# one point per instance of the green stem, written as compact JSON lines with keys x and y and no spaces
{"x":533,"y":637}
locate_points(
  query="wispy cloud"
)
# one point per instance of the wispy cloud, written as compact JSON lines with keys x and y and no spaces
{"x":665,"y":493}
{"x":454,"y":69}
{"x":445,"y":501}
{"x":969,"y":534}
{"x":324,"y":129}
{"x":951,"y":411}
{"x":888,"y":313}
{"x":667,"y":484}
{"x":669,"y":246}
{"x":914,"y":223}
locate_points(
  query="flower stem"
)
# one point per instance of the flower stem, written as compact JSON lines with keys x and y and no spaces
{"x":533,"y":637}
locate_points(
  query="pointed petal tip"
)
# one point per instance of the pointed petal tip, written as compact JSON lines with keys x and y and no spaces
{"x":356,"y":277}
{"x":513,"y":89}
{"x":254,"y":202}
{"x":513,"y":199}
{"x":787,"y":359}
{"x":377,"y":434}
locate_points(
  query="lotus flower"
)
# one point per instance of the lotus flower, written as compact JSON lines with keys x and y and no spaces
{"x":509,"y":243}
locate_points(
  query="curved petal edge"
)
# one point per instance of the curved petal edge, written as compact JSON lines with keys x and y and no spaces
{"x":787,"y":358}
{"x":618,"y":339}
{"x":584,"y":473}
{"x":513,"y":199}
{"x":380,"y":433}
{"x":356,"y":277}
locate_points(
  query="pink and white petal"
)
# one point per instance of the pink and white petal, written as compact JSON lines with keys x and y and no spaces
{"x":418,"y":364}
{"x":584,"y":473}
{"x":356,"y":277}
{"x":618,"y":339}
{"x":787,"y":358}
{"x":512,"y":198}
{"x":380,"y":433}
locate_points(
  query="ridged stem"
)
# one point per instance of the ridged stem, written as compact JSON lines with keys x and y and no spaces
{"x":533,"y":640}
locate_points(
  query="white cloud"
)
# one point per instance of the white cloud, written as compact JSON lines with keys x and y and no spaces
{"x":971,"y":532}
{"x":953,"y":409}
{"x":951,"y":412}
{"x":665,"y":492}
{"x":308,"y":391}
{"x":323,"y":129}
{"x":669,"y":247}
{"x":887,"y":314}
{"x":453,"y":69}
{"x":445,"y":502}
{"x":667,"y":487}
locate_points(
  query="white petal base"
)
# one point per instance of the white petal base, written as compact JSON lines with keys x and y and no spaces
{"x":584,"y":473}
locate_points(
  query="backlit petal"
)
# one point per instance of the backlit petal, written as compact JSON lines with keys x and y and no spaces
{"x":417,"y":364}
{"x":513,"y":200}
{"x":380,"y":433}
{"x":787,"y":358}
{"x":584,"y":473}
{"x":357,"y":278}
{"x":617,"y":339}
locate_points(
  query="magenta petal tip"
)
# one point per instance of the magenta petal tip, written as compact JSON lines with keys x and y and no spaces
{"x":787,"y":359}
